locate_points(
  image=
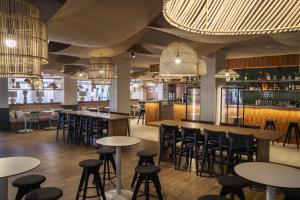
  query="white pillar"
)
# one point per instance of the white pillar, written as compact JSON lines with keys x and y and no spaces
{"x":4,"y":108}
{"x":68,"y":95}
{"x":120,"y":89}
{"x":209,"y":102}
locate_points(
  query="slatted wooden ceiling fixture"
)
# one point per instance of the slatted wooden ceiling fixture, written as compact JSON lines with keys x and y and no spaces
{"x":233,"y":17}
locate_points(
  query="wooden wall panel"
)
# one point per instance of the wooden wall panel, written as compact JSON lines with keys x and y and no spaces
{"x":267,"y":61}
{"x":152,"y":111}
{"x":154,"y":68}
{"x":179,"y":111}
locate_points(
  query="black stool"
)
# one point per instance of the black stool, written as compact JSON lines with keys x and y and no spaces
{"x":25,"y":184}
{"x":291,"y":194}
{"x":47,"y":193}
{"x":147,"y":173}
{"x":211,"y":197}
{"x":141,"y":116}
{"x":270,"y":125}
{"x":90,"y":167}
{"x":145,"y":159}
{"x":107,"y":156}
{"x":232,"y":185}
{"x":289,"y":133}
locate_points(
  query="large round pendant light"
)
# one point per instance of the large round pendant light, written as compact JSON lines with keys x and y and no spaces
{"x":233,"y":17}
{"x":23,"y":40}
{"x":101,"y":70}
{"x":180,"y":60}
{"x":227,"y":73}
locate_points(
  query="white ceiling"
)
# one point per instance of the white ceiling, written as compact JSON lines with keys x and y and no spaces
{"x":111,"y":27}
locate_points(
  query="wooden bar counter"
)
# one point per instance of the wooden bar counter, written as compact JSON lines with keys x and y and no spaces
{"x":117,"y":124}
{"x":263,"y":137}
{"x":257,"y":115}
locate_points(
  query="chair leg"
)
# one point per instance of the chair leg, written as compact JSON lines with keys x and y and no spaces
{"x":85,"y":185}
{"x":80,"y":184}
{"x":99,"y":185}
{"x":147,"y":188}
{"x":157,"y":186}
{"x":240,"y":194}
{"x":137,"y":187}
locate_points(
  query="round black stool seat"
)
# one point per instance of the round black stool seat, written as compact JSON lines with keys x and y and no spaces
{"x":106,"y":151}
{"x":90,"y":163}
{"x":29,"y":180}
{"x":232,"y":181}
{"x":147,"y":169}
{"x":145,"y":154}
{"x":211,"y":197}
{"x":47,"y":193}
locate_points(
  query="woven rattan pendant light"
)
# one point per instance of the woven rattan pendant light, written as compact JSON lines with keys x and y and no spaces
{"x":23,"y":40}
{"x":227,"y":73}
{"x":101,"y":71}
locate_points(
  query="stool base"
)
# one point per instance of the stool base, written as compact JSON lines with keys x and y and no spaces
{"x":112,"y":195}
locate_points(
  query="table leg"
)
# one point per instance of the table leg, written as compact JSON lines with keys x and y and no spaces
{"x":4,"y":188}
{"x":263,"y":154}
{"x":118,"y":166}
{"x":271,"y":193}
{"x":118,"y":193}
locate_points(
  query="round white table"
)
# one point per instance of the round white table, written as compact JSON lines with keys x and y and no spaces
{"x":270,"y":174}
{"x":118,"y":142}
{"x":11,"y":166}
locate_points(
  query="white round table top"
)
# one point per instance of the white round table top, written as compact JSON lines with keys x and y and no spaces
{"x":269,"y":174}
{"x":10,"y":166}
{"x":118,"y":141}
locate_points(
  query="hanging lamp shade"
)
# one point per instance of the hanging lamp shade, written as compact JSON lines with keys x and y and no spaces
{"x":180,"y":60}
{"x":227,"y":74}
{"x":233,"y":17}
{"x":101,"y":70}
{"x":23,"y":40}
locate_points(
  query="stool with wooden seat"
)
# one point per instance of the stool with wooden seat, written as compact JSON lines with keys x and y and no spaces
{"x":146,"y":158}
{"x":147,"y":173}
{"x":47,"y":193}
{"x":211,"y":197}
{"x":232,"y":185}
{"x":25,"y":184}
{"x":289,"y":133}
{"x":106,"y":155}
{"x":90,"y":167}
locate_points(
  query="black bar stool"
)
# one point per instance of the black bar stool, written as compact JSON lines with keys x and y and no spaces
{"x":107,"y":157}
{"x":62,"y":124}
{"x":232,"y":185}
{"x":289,"y":133}
{"x":25,"y":184}
{"x":74,"y":128}
{"x":90,"y":167}
{"x":47,"y":193}
{"x":141,"y":116}
{"x":146,"y":158}
{"x":147,"y":173}
{"x":270,"y":125}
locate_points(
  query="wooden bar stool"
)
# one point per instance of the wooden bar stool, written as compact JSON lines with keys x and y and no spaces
{"x":289,"y":133}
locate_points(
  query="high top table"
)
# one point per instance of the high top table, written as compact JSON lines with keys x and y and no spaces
{"x":118,"y":142}
{"x":270,"y":174}
{"x":11,"y":166}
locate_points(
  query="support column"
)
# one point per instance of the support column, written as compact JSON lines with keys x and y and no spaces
{"x":209,"y":102}
{"x":69,"y":93}
{"x":4,"y":108}
{"x":120,"y":89}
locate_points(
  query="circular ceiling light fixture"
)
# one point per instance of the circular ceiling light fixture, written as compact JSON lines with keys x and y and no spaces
{"x":23,"y":40}
{"x":233,"y":17}
{"x":101,"y":71}
{"x":180,"y":60}
{"x":227,"y":73}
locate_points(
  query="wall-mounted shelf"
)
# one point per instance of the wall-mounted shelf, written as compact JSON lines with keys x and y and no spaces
{"x":264,"y":81}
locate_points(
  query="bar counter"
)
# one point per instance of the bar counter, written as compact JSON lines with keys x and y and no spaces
{"x":257,"y":115}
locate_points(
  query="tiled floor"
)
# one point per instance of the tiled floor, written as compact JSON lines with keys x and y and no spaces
{"x":288,"y":155}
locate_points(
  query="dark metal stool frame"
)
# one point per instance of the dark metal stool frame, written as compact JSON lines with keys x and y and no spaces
{"x":289,"y":133}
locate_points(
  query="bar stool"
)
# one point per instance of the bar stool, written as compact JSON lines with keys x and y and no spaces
{"x":270,"y":125}
{"x":25,"y":184}
{"x":84,"y":128}
{"x":232,"y":185}
{"x":47,"y":193}
{"x":147,"y":173}
{"x":90,"y":167}
{"x":74,"y":128}
{"x":107,"y":157}
{"x":289,"y":133}
{"x":141,"y":116}
{"x":146,"y":158}
{"x":62,"y":124}
{"x":211,"y":197}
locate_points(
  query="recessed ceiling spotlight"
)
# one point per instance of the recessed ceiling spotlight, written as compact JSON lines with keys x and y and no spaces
{"x":132,"y":54}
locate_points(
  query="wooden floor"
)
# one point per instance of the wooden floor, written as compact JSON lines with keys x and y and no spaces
{"x":59,"y":163}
